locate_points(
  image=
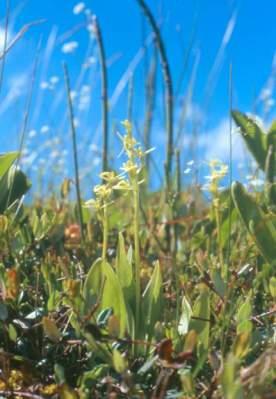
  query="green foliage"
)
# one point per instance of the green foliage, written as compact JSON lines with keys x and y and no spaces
{"x":13,"y":183}
{"x":254,"y":137}
{"x":261,"y":226}
{"x":122,"y":312}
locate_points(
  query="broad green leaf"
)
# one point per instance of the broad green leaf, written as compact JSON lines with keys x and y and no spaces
{"x":124,"y":270}
{"x":59,"y":374}
{"x":230,"y":382}
{"x":245,"y":310}
{"x":152,"y":301}
{"x":6,"y":161}
{"x":272,"y":287}
{"x":259,"y":225}
{"x":254,"y":137}
{"x":186,"y":313}
{"x":13,"y":185}
{"x":201,"y":310}
{"x":119,"y":362}
{"x":113,"y":297}
{"x":242,"y":344}
{"x":92,"y":285}
{"x":12,"y":333}
{"x":218,"y":282}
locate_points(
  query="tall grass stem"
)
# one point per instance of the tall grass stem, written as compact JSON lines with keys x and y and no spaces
{"x":74,"y":143}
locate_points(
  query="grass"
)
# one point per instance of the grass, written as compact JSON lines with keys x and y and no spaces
{"x":138,"y":293}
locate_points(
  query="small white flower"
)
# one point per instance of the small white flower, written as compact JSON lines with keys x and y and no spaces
{"x":69,"y":47}
{"x":187,"y":171}
{"x":256,"y":182}
{"x":78,"y":8}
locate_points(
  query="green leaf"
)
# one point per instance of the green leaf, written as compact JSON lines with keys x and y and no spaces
{"x":254,"y":137}
{"x":6,"y":161}
{"x":119,"y":362}
{"x":272,"y":287}
{"x":245,"y":310}
{"x":92,"y":285}
{"x":59,"y":374}
{"x":113,"y":297}
{"x":242,"y":344}
{"x":13,"y":185}
{"x":201,"y":310}
{"x":12,"y":333}
{"x":89,"y":378}
{"x":3,"y":312}
{"x":259,"y":225}
{"x":124,"y":270}
{"x":186,"y":314}
{"x":152,"y":301}
{"x":230,"y":382}
{"x":219,"y":283}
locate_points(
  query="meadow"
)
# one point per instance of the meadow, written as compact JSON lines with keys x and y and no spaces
{"x":133,"y":291}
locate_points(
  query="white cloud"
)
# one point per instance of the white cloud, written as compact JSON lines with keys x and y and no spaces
{"x":2,"y":38}
{"x":69,"y":47}
{"x":78,"y":8}
{"x":16,"y":88}
{"x":215,"y":143}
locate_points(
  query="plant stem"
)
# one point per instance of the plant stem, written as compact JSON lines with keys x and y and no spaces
{"x":136,"y":251}
{"x":217,"y":216}
{"x":104,"y":90}
{"x":136,"y":223}
{"x":150,"y":102}
{"x":176,"y":230}
{"x":74,"y":142}
{"x":169,"y":91}
{"x":130,"y":99}
{"x":105,"y":233}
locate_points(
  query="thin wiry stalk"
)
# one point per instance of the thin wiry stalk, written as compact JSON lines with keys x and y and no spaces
{"x":176,"y":229}
{"x":168,"y":88}
{"x":186,"y":57}
{"x":179,"y":140}
{"x":74,"y":142}
{"x":230,"y":163}
{"x":19,"y":35}
{"x":178,"y":173}
{"x":102,"y":57}
{"x":5,"y":42}
{"x":130,"y":99}
{"x":150,"y":102}
{"x":26,"y":116}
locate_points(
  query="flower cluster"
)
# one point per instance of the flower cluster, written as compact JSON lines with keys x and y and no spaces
{"x":218,"y":171}
{"x":131,"y":170}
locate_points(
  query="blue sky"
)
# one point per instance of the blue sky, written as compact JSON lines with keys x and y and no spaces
{"x":221,"y":32}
